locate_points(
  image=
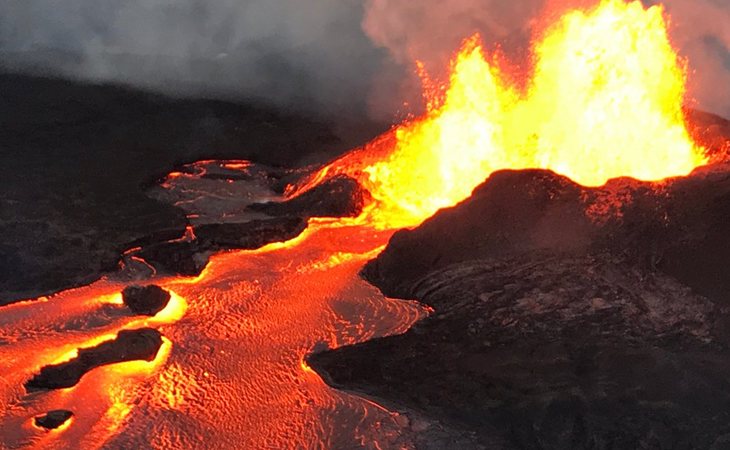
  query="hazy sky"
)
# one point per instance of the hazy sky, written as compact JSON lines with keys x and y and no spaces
{"x":329,"y":56}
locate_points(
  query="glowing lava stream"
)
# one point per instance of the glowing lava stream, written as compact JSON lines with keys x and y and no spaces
{"x":49,"y":331}
{"x":604,"y":100}
{"x":234,"y":376}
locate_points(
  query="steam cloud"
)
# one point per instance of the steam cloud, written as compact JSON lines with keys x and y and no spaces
{"x":310,"y":55}
{"x":328,"y":56}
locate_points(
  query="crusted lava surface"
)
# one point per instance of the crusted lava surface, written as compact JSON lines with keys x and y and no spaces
{"x":564,"y":316}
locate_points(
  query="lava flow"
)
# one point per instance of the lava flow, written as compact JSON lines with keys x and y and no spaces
{"x":604,"y":100}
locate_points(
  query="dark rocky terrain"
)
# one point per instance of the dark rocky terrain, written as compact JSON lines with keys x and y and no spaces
{"x":564,"y":317}
{"x":75,"y":160}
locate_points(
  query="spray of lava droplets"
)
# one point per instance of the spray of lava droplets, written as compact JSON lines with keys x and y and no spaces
{"x":604,"y":101}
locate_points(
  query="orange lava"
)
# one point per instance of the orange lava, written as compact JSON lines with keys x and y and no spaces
{"x":232,"y":370}
{"x":604,"y":100}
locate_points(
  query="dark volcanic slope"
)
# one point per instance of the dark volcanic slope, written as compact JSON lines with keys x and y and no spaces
{"x":565,"y":317}
{"x":679,"y":227}
{"x":74,"y":159}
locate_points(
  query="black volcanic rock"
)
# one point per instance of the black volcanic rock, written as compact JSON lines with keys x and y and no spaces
{"x":340,"y":196}
{"x":147,"y":300}
{"x":53,"y":419}
{"x":710,"y":131}
{"x":178,"y":257}
{"x":248,"y":235}
{"x":555,"y":352}
{"x":129,"y":345}
{"x":677,"y":226}
{"x":513,"y":212}
{"x":189,"y":257}
{"x":565,"y":317}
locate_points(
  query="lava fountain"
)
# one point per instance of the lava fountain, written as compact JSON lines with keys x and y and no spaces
{"x":603,"y":99}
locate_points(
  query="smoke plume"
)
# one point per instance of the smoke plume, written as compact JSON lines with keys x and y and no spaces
{"x":701,"y":31}
{"x":332,"y":57}
{"x":307,"y":55}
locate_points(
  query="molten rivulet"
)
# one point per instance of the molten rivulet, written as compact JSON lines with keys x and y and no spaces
{"x":604,"y":100}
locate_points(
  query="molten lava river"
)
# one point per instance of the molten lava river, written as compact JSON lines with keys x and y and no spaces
{"x":603,"y":99}
{"x":231,"y":372}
